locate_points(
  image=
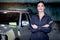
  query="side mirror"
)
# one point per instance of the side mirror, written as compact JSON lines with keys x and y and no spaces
{"x":25,"y":23}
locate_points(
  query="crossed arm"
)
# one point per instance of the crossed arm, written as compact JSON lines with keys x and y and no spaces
{"x":45,"y":28}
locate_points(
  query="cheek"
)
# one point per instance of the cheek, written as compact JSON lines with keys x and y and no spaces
{"x":40,"y":8}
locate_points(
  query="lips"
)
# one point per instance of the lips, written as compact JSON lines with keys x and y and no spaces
{"x":40,"y":8}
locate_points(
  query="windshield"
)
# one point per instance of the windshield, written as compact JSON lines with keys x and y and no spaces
{"x":10,"y":18}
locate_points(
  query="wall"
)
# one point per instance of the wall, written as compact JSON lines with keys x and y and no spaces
{"x":29,"y":1}
{"x":52,"y":9}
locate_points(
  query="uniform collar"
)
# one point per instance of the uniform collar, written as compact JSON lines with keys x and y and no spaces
{"x":43,"y":16}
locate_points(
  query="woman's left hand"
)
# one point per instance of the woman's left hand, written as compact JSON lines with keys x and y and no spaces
{"x":47,"y":25}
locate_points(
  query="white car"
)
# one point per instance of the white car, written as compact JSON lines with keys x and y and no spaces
{"x":14,"y":24}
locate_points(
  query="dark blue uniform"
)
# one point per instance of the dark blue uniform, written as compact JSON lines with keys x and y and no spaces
{"x":41,"y":33}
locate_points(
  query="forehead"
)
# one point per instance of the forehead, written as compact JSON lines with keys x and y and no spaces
{"x":40,"y":3}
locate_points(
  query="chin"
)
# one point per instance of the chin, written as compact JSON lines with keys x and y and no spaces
{"x":41,"y":11}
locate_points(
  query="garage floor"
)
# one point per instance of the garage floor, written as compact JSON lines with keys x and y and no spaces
{"x":53,"y":35}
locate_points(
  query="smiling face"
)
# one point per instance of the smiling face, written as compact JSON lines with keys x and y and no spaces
{"x":40,"y":7}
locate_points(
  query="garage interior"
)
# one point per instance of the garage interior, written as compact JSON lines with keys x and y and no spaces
{"x":52,"y":9}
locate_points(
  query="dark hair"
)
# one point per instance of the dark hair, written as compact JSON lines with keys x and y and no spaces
{"x":41,"y":2}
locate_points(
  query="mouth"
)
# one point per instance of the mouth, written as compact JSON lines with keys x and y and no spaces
{"x":40,"y":9}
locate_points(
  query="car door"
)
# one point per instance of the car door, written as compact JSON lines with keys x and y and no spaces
{"x":25,"y":32}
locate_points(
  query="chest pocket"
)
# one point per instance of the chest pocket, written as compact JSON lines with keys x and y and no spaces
{"x":44,"y":21}
{"x":37,"y":22}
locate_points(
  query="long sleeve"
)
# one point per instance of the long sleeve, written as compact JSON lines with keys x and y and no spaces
{"x":47,"y":29}
{"x":35,"y":20}
{"x":32,"y":22}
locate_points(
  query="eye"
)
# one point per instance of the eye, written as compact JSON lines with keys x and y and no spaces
{"x":38,"y":5}
{"x":42,"y":5}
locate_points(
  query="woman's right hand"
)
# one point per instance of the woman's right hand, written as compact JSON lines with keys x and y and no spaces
{"x":34,"y":26}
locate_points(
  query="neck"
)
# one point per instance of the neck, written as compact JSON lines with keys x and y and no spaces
{"x":41,"y":13}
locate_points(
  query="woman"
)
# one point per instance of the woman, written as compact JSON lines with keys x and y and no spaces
{"x":40,"y":25}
